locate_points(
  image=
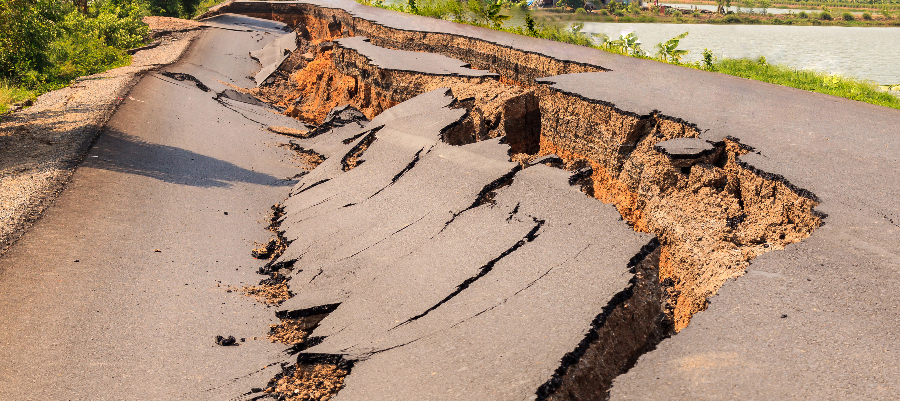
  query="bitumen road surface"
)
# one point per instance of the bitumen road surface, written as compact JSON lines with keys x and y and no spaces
{"x":91,"y":309}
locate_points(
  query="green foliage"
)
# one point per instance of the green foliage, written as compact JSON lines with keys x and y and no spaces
{"x":669,"y":51}
{"x":46,"y":43}
{"x":803,"y":15}
{"x":573,"y":4}
{"x":412,"y":6}
{"x":825,"y":15}
{"x":204,"y":6}
{"x":708,"y":60}
{"x":487,"y":13}
{"x":11,"y":94}
{"x":867,"y":16}
{"x":627,"y":44}
{"x":580,"y":11}
{"x":28,"y":27}
{"x":613,"y":6}
{"x":847,"y":16}
{"x":530,"y":25}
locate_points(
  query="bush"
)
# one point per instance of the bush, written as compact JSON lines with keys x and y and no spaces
{"x":696,"y":14}
{"x":803,"y":15}
{"x":825,"y":15}
{"x":847,"y":17}
{"x":867,"y":16}
{"x":732,"y":19}
{"x":580,"y":11}
{"x":677,"y":14}
{"x":46,"y":43}
{"x":604,"y":13}
{"x":620,"y":13}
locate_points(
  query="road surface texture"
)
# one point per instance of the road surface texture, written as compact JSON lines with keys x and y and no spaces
{"x":446,"y":238}
{"x":91,"y":310}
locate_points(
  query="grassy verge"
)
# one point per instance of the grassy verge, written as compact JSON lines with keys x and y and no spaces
{"x":11,"y":94}
{"x":204,"y":6}
{"x":807,"y":80}
{"x":485,"y":14}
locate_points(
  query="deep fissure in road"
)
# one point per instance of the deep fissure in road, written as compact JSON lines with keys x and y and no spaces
{"x":711,"y":213}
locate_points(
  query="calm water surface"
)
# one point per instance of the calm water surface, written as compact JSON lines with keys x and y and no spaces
{"x":867,"y":53}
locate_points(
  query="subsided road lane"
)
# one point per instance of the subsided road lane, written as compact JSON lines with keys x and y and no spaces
{"x":91,"y":310}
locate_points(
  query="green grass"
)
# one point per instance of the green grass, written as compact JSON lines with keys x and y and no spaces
{"x":204,"y":6}
{"x":812,"y":81}
{"x":11,"y":94}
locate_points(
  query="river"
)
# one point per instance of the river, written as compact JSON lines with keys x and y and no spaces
{"x":866,"y":53}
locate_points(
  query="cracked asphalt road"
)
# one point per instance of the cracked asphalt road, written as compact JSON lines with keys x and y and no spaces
{"x":90,"y":310}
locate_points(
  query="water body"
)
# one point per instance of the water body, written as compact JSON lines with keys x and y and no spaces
{"x":866,"y":53}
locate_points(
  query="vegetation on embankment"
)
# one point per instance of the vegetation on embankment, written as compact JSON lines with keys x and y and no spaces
{"x":490,"y":15}
{"x":45,"y":44}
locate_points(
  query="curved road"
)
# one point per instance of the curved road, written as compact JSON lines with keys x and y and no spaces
{"x":91,"y":310}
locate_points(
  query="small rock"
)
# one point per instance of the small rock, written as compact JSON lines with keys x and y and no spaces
{"x":226,"y":341}
{"x":156,"y":250}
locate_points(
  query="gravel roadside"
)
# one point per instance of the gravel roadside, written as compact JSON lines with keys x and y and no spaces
{"x":41,"y":146}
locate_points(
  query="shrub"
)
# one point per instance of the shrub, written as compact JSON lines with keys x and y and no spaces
{"x":620,"y":13}
{"x":604,"y":13}
{"x":696,"y":14}
{"x":803,"y":15}
{"x":580,"y":11}
{"x":825,"y":15}
{"x":732,"y":18}
{"x":867,"y":16}
{"x":677,"y":14}
{"x":847,"y":17}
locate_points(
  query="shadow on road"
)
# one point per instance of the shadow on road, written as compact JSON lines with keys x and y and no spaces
{"x":121,"y":152}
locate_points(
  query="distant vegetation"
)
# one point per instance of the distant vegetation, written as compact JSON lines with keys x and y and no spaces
{"x":489,"y":14}
{"x":44,"y":44}
{"x":749,"y":12}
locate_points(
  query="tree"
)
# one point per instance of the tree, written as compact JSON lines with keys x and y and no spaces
{"x":28,"y":27}
{"x":573,"y":4}
{"x":722,"y":5}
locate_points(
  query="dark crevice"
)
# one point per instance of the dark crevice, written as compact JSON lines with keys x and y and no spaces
{"x":351,"y":159}
{"x":632,"y":323}
{"x":359,"y":135}
{"x":311,"y":186}
{"x":513,"y":212}
{"x":178,"y":76}
{"x":483,"y":271}
{"x":486,"y":195}
{"x":409,"y":166}
{"x":392,"y":234}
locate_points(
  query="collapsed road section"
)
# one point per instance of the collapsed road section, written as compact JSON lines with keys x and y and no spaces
{"x":717,"y":169}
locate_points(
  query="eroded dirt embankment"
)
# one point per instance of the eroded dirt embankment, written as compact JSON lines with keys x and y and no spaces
{"x":712,"y":214}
